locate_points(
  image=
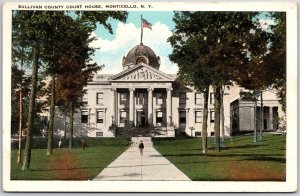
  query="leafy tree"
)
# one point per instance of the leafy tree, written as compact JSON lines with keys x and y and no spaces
{"x":75,"y":68}
{"x":17,"y":111}
{"x":34,"y":29}
{"x":19,"y":57}
{"x":57,"y":39}
{"x":101,"y":18}
{"x":189,"y":71}
{"x":266,"y":62}
{"x":275,"y":60}
{"x":64,"y":30}
{"x":70,"y":87}
{"x":16,"y":77}
{"x":31,"y":28}
{"x":25,"y":28}
{"x":217,"y":43}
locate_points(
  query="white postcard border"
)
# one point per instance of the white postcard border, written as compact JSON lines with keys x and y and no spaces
{"x":164,"y":186}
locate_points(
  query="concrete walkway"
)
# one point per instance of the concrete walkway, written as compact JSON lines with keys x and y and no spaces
{"x":132,"y":166}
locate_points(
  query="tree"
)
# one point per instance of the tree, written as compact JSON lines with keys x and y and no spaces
{"x":30,"y":27}
{"x":64,"y":30}
{"x":275,"y":60}
{"x":16,"y":76}
{"x":212,"y":44}
{"x":31,"y":113}
{"x":19,"y":54}
{"x":70,"y":88}
{"x":20,"y":91}
{"x":17,"y":111}
{"x":266,"y":62}
{"x":57,"y":40}
{"x":189,"y":71}
{"x":75,"y":69}
{"x":33,"y":29}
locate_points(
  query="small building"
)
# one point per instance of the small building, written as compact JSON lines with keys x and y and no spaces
{"x":242,"y":114}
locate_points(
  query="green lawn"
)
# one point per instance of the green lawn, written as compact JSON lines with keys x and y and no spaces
{"x":239,"y":160}
{"x":77,"y":164}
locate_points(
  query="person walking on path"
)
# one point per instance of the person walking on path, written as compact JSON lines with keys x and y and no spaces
{"x":141,"y":147}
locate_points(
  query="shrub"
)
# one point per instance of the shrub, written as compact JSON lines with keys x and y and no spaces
{"x":41,"y":143}
{"x":282,"y":124}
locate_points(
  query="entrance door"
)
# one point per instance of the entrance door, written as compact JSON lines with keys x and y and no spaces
{"x":141,"y":119}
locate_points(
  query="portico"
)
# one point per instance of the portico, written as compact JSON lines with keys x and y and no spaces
{"x":142,"y":106}
{"x":143,"y":97}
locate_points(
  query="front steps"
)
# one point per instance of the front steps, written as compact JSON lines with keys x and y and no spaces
{"x":141,"y":132}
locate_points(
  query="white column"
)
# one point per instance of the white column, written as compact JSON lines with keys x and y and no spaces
{"x":105,"y":118}
{"x":116,"y":119}
{"x":271,"y":118}
{"x":131,"y":106}
{"x":117,"y":109}
{"x":154,"y":117}
{"x":150,"y":106}
{"x":169,"y":106}
{"x":114,"y":108}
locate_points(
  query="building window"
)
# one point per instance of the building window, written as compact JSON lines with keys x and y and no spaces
{"x":123,"y":116}
{"x":198,"y":98}
{"x":275,"y":118}
{"x":159,"y":99}
{"x":85,"y":101}
{"x":182,"y":98}
{"x":212,"y":98}
{"x":198,"y":115}
{"x":100,"y":116}
{"x":123,"y":98}
{"x":182,"y":117}
{"x":84,"y":117}
{"x":99,"y":134}
{"x":140,"y":99}
{"x":159,"y":118}
{"x":100,"y":98}
{"x":266,"y":117}
{"x":212,"y":116}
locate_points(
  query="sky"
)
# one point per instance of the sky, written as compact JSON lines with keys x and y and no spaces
{"x":112,"y":47}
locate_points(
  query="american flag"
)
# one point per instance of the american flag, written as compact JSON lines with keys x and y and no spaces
{"x":146,"y":24}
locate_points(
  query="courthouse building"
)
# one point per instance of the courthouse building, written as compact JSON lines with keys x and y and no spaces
{"x":142,"y":100}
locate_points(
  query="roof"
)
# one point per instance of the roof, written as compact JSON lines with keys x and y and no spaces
{"x":159,"y":75}
{"x":141,"y":50}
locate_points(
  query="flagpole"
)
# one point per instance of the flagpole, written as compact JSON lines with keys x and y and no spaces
{"x":141,"y":30}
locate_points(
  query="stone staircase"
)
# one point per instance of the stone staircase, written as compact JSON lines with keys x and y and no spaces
{"x":141,"y":132}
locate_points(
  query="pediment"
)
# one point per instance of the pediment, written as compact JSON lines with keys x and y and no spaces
{"x":142,"y":73}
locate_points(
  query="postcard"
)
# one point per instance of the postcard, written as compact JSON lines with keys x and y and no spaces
{"x":149,"y":97}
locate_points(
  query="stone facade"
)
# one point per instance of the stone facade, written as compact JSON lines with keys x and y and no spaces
{"x":142,"y":96}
